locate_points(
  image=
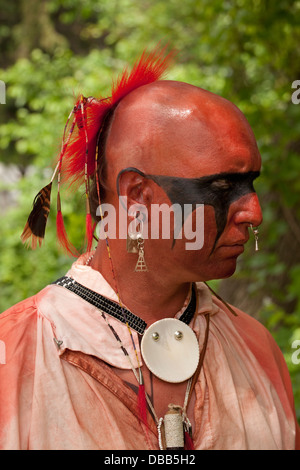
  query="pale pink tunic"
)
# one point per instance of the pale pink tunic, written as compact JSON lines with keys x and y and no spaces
{"x":68,"y":397}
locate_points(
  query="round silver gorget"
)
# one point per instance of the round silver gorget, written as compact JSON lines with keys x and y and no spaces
{"x":170,"y":350}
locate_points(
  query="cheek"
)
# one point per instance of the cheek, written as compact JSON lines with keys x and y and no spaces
{"x":198,"y":233}
{"x":210,"y":226}
{"x":209,"y":229}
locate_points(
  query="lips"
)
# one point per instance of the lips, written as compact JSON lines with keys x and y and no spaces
{"x":237,"y":246}
{"x":233,"y":248}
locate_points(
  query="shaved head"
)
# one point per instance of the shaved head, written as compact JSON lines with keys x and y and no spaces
{"x":167,"y":126}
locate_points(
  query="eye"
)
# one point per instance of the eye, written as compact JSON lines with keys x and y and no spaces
{"x":222,"y":184}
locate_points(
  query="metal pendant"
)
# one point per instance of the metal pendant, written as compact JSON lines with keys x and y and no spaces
{"x":170,"y":350}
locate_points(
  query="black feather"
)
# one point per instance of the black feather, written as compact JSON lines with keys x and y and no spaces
{"x":36,"y":222}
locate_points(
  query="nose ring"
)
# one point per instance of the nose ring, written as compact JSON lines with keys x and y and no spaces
{"x":255,"y":233}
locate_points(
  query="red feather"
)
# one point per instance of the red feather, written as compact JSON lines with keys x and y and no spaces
{"x":89,"y":231}
{"x":62,"y":236}
{"x":149,"y":68}
{"x":189,"y":445}
{"x":142,"y":401}
{"x":142,"y":404}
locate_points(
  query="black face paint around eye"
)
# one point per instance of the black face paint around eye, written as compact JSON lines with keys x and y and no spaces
{"x":218,"y":190}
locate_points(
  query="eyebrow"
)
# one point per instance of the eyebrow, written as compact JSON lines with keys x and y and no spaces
{"x":209,"y":179}
{"x":206,"y":180}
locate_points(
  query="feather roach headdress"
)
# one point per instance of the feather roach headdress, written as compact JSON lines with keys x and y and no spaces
{"x":79,"y":158}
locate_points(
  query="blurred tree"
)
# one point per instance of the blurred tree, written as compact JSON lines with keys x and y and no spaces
{"x":245,"y":50}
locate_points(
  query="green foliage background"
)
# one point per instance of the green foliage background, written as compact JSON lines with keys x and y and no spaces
{"x":245,"y":50}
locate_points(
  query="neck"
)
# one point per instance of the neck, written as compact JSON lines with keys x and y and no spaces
{"x":151,"y":295}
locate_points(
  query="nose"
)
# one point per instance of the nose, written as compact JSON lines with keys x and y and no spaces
{"x":247,"y":210}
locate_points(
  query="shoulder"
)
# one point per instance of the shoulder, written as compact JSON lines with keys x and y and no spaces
{"x":19,"y":320}
{"x":262,"y":345}
{"x":18,"y":333}
{"x":19,"y":311}
{"x":19,"y":325}
{"x":258,"y":339}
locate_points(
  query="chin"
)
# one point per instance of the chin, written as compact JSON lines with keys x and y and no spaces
{"x":227,"y":274}
{"x":222,"y":271}
{"x":227,"y":269}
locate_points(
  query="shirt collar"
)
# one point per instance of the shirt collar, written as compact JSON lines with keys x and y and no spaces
{"x":80,"y":326}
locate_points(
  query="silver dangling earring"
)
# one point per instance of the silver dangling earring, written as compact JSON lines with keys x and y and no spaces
{"x":131,"y":243}
{"x":135,"y":244}
{"x":141,"y":263}
{"x":255,"y":233}
{"x":133,"y":234}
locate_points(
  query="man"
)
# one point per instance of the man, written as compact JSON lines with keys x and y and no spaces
{"x":75,"y":369}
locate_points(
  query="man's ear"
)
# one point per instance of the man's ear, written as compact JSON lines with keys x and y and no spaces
{"x":135,"y":187}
